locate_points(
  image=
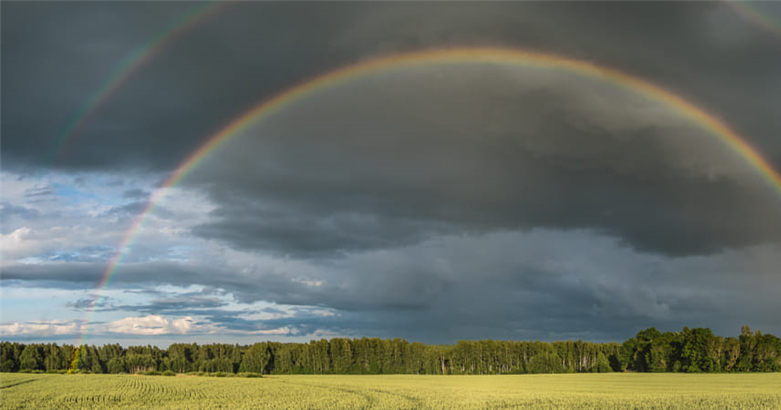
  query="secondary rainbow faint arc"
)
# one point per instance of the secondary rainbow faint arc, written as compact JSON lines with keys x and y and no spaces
{"x":432,"y":57}
{"x":125,"y":70}
{"x":757,"y":16}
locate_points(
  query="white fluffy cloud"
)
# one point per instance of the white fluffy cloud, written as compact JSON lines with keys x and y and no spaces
{"x":146,"y":325}
{"x":41,"y":328}
{"x":150,"y":325}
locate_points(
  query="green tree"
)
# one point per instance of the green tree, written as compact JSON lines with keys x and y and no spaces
{"x":549,"y":362}
{"x":31,"y":358}
{"x":603,"y":364}
{"x":116,"y":365}
{"x":9,"y":357}
{"x":53,"y":358}
{"x":256,"y":359}
{"x":694,"y":352}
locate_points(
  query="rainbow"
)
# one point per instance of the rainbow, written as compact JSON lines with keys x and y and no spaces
{"x":757,"y":16}
{"x":125,"y":70}
{"x":275,"y":104}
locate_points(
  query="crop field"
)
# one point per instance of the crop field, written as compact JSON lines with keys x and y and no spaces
{"x":562,"y":391}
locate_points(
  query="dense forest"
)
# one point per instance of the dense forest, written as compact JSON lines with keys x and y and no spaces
{"x":690,"y":350}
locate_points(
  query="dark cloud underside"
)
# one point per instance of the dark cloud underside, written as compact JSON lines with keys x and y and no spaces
{"x":479,"y":148}
{"x":56,"y":57}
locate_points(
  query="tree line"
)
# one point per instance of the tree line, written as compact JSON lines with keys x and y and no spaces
{"x":690,"y":350}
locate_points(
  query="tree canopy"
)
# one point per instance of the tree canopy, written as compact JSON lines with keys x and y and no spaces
{"x":690,"y":350}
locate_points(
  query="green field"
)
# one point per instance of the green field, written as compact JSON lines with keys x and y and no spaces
{"x":562,"y":391}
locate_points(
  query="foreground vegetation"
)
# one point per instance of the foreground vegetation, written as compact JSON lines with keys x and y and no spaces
{"x":690,"y":350}
{"x":563,"y":391}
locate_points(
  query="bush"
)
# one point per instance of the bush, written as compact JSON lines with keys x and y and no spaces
{"x":169,"y":373}
{"x":218,"y":374}
{"x":8,"y":366}
{"x":151,"y":373}
{"x":546,"y":363}
{"x":25,"y":371}
{"x":249,"y":374}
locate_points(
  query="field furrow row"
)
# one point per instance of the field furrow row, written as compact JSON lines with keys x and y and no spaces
{"x":552,"y":392}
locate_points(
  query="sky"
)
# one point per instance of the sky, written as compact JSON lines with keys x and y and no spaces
{"x":436,"y":202}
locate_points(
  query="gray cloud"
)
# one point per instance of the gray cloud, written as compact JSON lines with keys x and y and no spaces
{"x":133,"y":209}
{"x":193,"y":304}
{"x":135,"y":193}
{"x":10,"y":211}
{"x":38,"y":192}
{"x":221,"y":67}
{"x":547,"y":285}
{"x":498,"y":148}
{"x":90,"y":303}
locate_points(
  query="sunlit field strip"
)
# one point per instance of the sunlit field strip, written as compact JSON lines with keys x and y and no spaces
{"x":561,"y":391}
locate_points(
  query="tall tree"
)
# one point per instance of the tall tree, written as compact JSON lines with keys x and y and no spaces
{"x":31,"y":358}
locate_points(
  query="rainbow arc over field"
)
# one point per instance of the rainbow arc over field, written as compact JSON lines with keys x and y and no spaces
{"x":452,"y":56}
{"x":125,"y":70}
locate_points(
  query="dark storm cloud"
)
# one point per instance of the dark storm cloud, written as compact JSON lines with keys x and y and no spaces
{"x":493,"y":151}
{"x":349,"y":196}
{"x":56,"y":57}
{"x":312,"y":234}
{"x":217,"y":70}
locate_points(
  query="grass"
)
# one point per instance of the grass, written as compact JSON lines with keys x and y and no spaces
{"x":562,"y":391}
